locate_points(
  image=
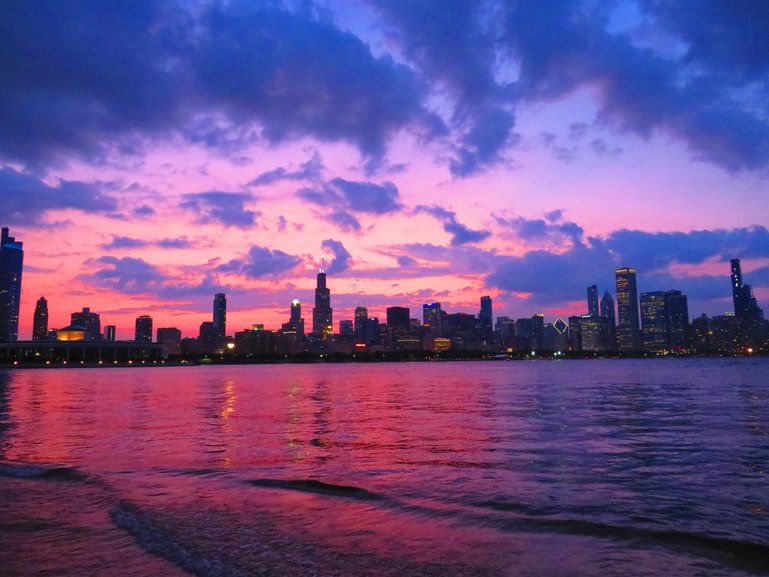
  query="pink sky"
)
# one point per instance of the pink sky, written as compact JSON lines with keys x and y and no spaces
{"x":442,"y":164}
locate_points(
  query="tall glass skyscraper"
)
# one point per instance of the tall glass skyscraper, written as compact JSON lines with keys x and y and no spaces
{"x":592,"y":300}
{"x":11,"y":264}
{"x":485,"y":320}
{"x":322,"y":313}
{"x":220,"y":315}
{"x":628,"y":322}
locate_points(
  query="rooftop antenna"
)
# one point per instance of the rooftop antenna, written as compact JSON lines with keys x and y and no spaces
{"x":322,"y":266}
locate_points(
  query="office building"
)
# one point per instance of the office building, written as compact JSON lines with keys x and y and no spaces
{"x":607,"y":312}
{"x":592,"y":300}
{"x":220,"y":318}
{"x":143,"y":332}
{"x":296,"y":320}
{"x":431,"y":318}
{"x":171,"y":339}
{"x":745,"y":305}
{"x":322,"y":313}
{"x":628,"y":323}
{"x":207,"y":337}
{"x":654,"y":320}
{"x":361,"y":315}
{"x":11,"y":265}
{"x":91,"y":322}
{"x":486,"y":321}
{"x":109,"y":333}
{"x":398,"y":318}
{"x":40,"y":320}
{"x":346,"y":329}
{"x":679,"y":330}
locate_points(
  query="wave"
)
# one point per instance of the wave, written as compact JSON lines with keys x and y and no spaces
{"x":153,"y":537}
{"x":53,"y":473}
{"x":320,"y":487}
{"x":725,"y":550}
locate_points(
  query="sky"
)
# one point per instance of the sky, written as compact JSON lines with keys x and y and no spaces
{"x":155,"y":153}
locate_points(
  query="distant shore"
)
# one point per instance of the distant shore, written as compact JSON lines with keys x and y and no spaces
{"x":382,"y":357}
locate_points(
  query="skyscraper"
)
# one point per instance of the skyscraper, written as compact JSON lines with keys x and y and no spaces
{"x":592,"y":300}
{"x":679,"y":333}
{"x":361,"y":315}
{"x":398,"y":318}
{"x":654,"y":317}
{"x":431,"y":318}
{"x":11,"y":264}
{"x":143,"y":332}
{"x":91,"y":322}
{"x":296,"y":322}
{"x":322,"y":313}
{"x":220,"y":316}
{"x":485,"y":320}
{"x":40,"y":320}
{"x":607,"y":312}
{"x":171,"y":339}
{"x":745,"y":305}
{"x":628,"y":326}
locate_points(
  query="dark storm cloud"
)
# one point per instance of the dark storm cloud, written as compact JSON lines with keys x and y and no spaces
{"x":460,"y":234}
{"x":563,"y":46}
{"x":24,"y":198}
{"x":341,"y":256}
{"x":84,"y":77}
{"x":261,"y":262}
{"x":87,"y":78}
{"x":227,"y":208}
{"x":454,"y":46}
{"x":728,"y":38}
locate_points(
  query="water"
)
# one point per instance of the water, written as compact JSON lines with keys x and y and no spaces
{"x":582,"y":468}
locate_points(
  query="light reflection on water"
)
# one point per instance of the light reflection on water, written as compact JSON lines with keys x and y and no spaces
{"x":515,"y":468}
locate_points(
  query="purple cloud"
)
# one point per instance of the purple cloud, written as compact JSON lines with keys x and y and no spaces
{"x":227,"y":208}
{"x":341,"y":256}
{"x":262,"y":262}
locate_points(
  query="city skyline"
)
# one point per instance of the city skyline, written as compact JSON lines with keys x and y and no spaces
{"x":180,"y":153}
{"x":656,"y":322}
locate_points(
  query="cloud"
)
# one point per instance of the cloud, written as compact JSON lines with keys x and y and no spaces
{"x":553,"y":278}
{"x":227,"y":208}
{"x":127,"y":275}
{"x":24,"y":199}
{"x":566,"y":46}
{"x":454,"y":46}
{"x":303,"y":76}
{"x":92,"y":79}
{"x":547,"y":230}
{"x":355,"y":196}
{"x":344,"y":197}
{"x":309,"y":170}
{"x":262,"y":262}
{"x":143,"y":211}
{"x":460,"y":234}
{"x":125,"y":242}
{"x":344,"y":221}
{"x":86,"y":78}
{"x":341,"y":256}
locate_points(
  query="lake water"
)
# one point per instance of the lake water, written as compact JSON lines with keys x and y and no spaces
{"x":540,"y":468}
